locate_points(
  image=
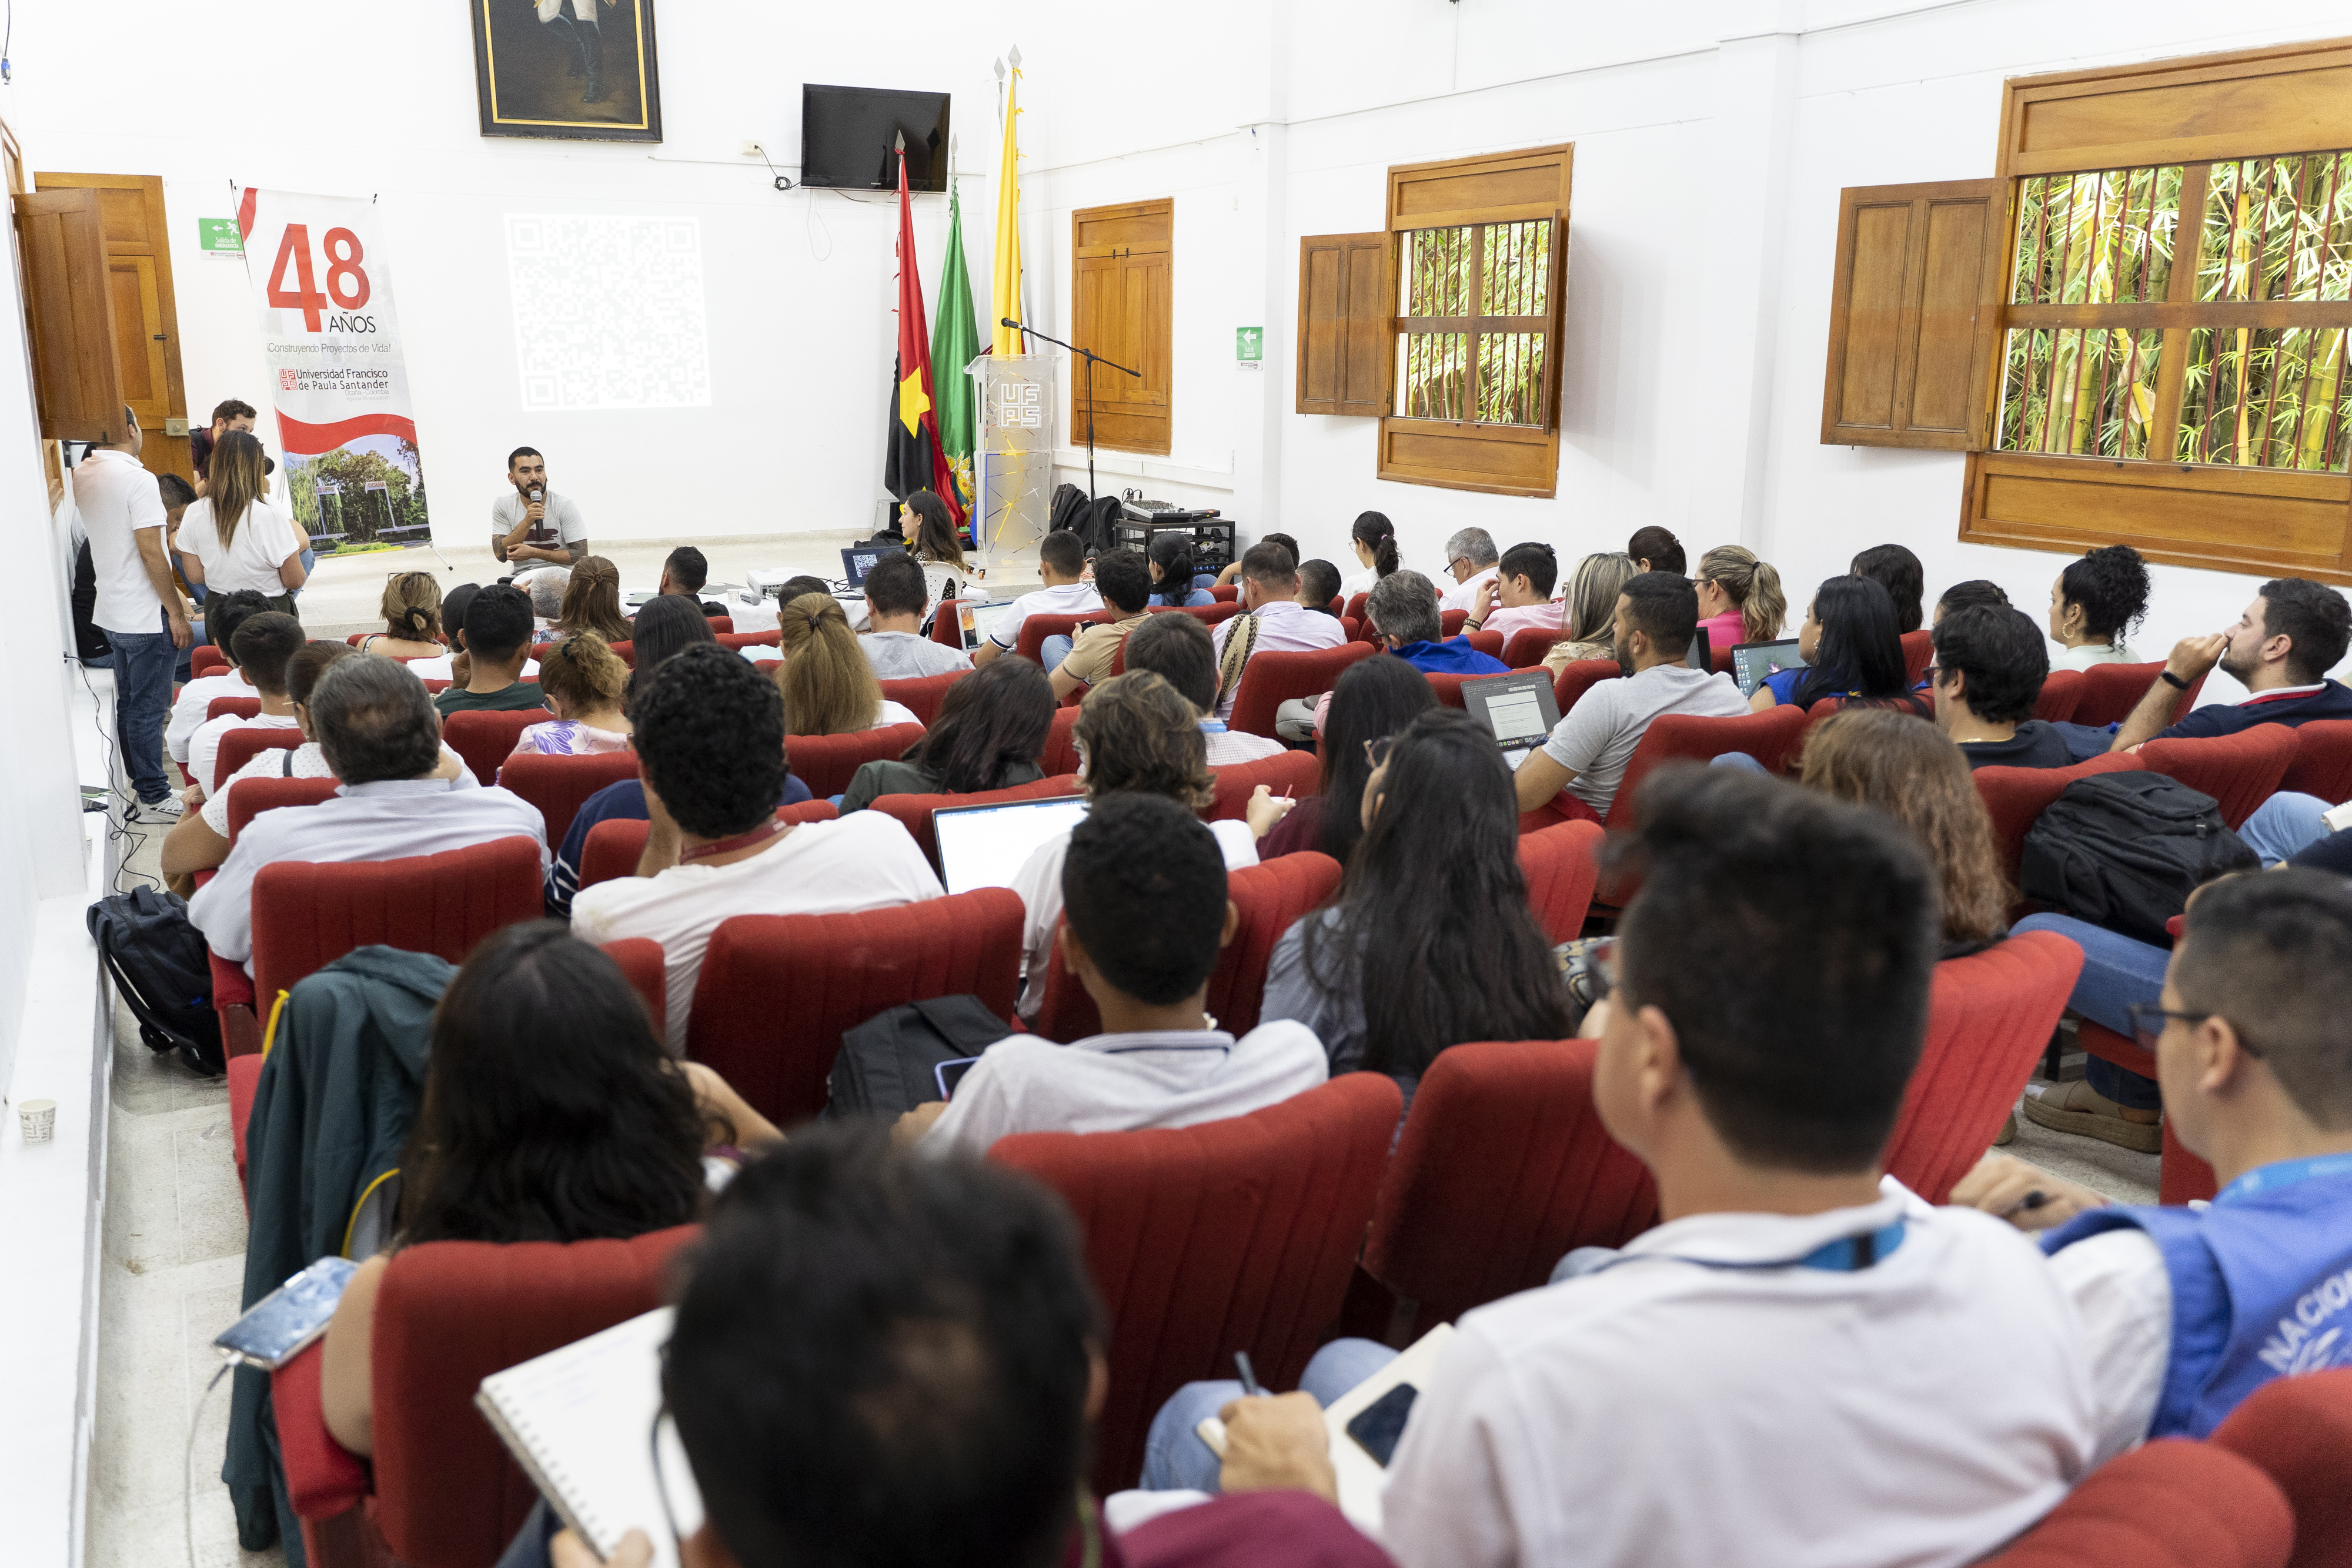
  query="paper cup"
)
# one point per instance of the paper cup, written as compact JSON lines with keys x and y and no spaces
{"x":39,"y":1118}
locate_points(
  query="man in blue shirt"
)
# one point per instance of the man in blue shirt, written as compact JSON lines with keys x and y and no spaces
{"x":1403,"y":610}
{"x":2280,"y":649}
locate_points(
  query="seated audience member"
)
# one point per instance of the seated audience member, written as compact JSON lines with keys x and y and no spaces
{"x":1804,"y":1362}
{"x":666,"y":625}
{"x":1875,"y":756}
{"x":1273,"y":621}
{"x":1123,"y":577}
{"x":1232,"y":572}
{"x":1740,"y":599}
{"x":581,"y":681}
{"x":1318,"y":585}
{"x":1173,"y":580}
{"x":1428,"y":939}
{"x":1968,"y":594}
{"x":224,"y":613}
{"x":1061,"y":566}
{"x":264,"y":643}
{"x":1135,"y":733}
{"x":827,"y":685}
{"x":2280,"y":649}
{"x":1470,"y":559}
{"x":411,"y":610}
{"x":498,"y":646}
{"x":402,"y":795}
{"x":1897,"y":570}
{"x":1374,"y":539}
{"x":988,"y":735}
{"x":447,"y":666}
{"x":1375,"y":698}
{"x":200,"y":842}
{"x":794,"y":587}
{"x":1654,"y":549}
{"x":938,"y":547}
{"x":2093,"y":604}
{"x":591,"y":602}
{"x":1143,"y":890}
{"x":548,"y":1113}
{"x":1589,"y":749}
{"x":546,"y":588}
{"x":2191,"y":1309}
{"x":710,"y":749}
{"x":1179,"y":648}
{"x":1988,"y":670}
{"x":1588,"y":613}
{"x":682,"y":576}
{"x":1517,"y":597}
{"x":1402,"y":608}
{"x":895,"y":647}
{"x":1852,"y":652}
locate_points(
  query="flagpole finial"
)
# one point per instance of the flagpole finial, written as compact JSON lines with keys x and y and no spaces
{"x":1013,"y":55}
{"x":898,"y":143}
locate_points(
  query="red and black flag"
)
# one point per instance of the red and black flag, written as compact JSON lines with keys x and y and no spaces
{"x":913,"y":459}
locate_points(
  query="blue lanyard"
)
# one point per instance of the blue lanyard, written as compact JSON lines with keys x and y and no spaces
{"x":1212,"y":727}
{"x":1846,"y":1255}
{"x":2284,"y":1173}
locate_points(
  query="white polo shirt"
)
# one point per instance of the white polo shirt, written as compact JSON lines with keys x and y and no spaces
{"x":1283,"y":626}
{"x":1038,"y":883}
{"x":204,"y":746}
{"x":1062,"y":599}
{"x":191,"y":710}
{"x":116,"y":498}
{"x":1464,"y":595}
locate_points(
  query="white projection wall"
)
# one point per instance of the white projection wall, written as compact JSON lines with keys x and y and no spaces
{"x":608,"y":311}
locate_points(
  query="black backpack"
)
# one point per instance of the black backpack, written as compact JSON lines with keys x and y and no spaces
{"x":2125,"y":851}
{"x":163,"y":970}
{"x":1069,"y":510}
{"x":886,"y":1066}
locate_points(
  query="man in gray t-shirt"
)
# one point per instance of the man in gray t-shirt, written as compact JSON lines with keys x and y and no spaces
{"x":894,"y":598}
{"x":1658,"y":615}
{"x":547,"y":529}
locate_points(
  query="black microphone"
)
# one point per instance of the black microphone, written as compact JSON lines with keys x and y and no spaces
{"x":1007,"y":322}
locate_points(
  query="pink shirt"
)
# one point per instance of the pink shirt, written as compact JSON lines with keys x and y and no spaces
{"x":1283,"y":626}
{"x":1725,"y":631}
{"x":1511,"y":620}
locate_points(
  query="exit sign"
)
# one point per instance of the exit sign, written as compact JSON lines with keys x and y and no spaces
{"x":219,"y":234}
{"x":1249,"y":343}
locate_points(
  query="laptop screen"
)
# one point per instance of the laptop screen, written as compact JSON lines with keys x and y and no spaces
{"x":986,"y":846}
{"x":857,"y":561}
{"x":978,"y":619}
{"x":1753,"y":664}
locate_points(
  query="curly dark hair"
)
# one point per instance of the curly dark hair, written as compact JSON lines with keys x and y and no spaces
{"x":1897,"y":570}
{"x":710,"y":738}
{"x":2002,"y":652}
{"x":2111,"y":585}
{"x":994,"y":718}
{"x":1137,"y":732}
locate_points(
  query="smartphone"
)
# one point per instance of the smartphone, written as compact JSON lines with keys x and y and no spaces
{"x":1378,"y":1425}
{"x":951,"y":1073}
{"x":971,"y":625}
{"x":288,"y":1318}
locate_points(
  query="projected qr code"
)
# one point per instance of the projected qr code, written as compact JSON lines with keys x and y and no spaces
{"x":608,"y":311}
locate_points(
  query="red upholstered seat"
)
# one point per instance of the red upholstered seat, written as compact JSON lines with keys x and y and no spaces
{"x":1447,"y":687}
{"x":1226,"y":592}
{"x":640,"y":961}
{"x":1231,"y":1235}
{"x":1581,"y":677}
{"x":1502,"y":1167}
{"x":777,"y":991}
{"x":921,"y":694}
{"x":233,"y":1000}
{"x":1296,"y":773}
{"x":2183,"y":1176}
{"x":2298,"y":1431}
{"x":1061,"y":753}
{"x":614,"y":847}
{"x":239,"y":747}
{"x":739,"y":641}
{"x":1355,"y":606}
{"x":2239,"y":771}
{"x":1526,"y":650}
{"x":266,"y":794}
{"x":825,"y":762}
{"x":1272,"y":678}
{"x":1036,"y":628}
{"x":1487,"y":643}
{"x":2062,"y":693}
{"x":1918,"y":653}
{"x":1559,"y":865}
{"x":626,"y":651}
{"x":720,"y":625}
{"x":1451,"y":621}
{"x":1991,"y":1015}
{"x":2111,"y":691}
{"x":1207,"y":614}
{"x":204,"y":659}
{"x":1770,"y":736}
{"x":2323,"y":760}
{"x":485,"y":738}
{"x":2172,"y":1504}
{"x":243,"y":708}
{"x":2016,"y":796}
{"x":947,"y":624}
{"x":244,"y":1078}
{"x":560,"y":786}
{"x":913,"y":812}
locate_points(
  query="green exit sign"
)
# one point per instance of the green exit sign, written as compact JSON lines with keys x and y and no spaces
{"x":1249,"y":343}
{"x":219,"y":234}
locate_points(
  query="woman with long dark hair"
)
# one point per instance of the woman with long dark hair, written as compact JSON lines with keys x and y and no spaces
{"x":550,"y":1114}
{"x":1374,"y":539}
{"x":1429,"y":940}
{"x":1172,"y":570}
{"x":932,"y":540}
{"x":1897,"y":570}
{"x":1852,"y":652}
{"x":1654,"y":549}
{"x":1374,"y":699}
{"x":988,"y":735}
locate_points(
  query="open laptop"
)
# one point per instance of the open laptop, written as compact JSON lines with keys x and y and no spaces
{"x":977,"y":620}
{"x":1753,"y":664}
{"x":1519,"y":708}
{"x":986,"y":846}
{"x":857,"y":561}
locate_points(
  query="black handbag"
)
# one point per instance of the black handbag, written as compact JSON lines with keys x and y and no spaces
{"x":889,"y":1064}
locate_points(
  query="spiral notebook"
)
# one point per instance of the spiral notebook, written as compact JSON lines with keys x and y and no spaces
{"x":580,"y":1421}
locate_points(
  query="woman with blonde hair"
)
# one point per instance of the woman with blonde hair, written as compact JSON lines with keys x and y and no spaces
{"x":1739,"y":598}
{"x":411,"y":610}
{"x":582,"y":681}
{"x":829,"y":688}
{"x":591,"y":602}
{"x":1589,"y":609}
{"x":1912,"y":772}
{"x":232,"y":538}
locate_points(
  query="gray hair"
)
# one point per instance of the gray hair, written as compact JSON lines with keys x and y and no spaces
{"x":1476,"y":545}
{"x":1403,"y":605}
{"x":376,"y":721}
{"x":546,"y":588}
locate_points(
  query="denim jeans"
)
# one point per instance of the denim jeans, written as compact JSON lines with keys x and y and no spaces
{"x":1175,"y":1459}
{"x":143,"y":661}
{"x":1739,"y":759}
{"x":1056,"y":648}
{"x":2117,"y":972}
{"x":2284,"y":826}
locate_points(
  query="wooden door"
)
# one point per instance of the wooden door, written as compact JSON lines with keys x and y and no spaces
{"x":69,"y":316}
{"x":1121,"y":309}
{"x":146,"y":318}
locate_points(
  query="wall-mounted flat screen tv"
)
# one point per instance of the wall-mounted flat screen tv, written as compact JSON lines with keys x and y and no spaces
{"x":849,"y":135}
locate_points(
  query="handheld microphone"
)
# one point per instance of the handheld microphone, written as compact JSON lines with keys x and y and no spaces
{"x":1007,"y":322}
{"x":537,"y":495}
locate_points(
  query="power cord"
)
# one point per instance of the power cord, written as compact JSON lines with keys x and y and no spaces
{"x":123,"y":829}
{"x":188,"y":1465}
{"x":783,"y":181}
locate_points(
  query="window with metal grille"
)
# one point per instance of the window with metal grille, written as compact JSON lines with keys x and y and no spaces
{"x":1474,"y":325}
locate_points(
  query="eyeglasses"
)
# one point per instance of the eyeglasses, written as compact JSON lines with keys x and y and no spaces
{"x":1376,"y":750}
{"x":2150,"y":1020}
{"x":1457,"y":560}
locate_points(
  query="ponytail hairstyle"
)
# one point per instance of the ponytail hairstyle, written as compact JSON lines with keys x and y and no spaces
{"x":1753,"y":585}
{"x":1377,"y":534}
{"x":592,"y":600}
{"x":412,"y":606}
{"x":2109,"y":585}
{"x":828,"y":686}
{"x":235,"y":477}
{"x":1171,"y":552}
{"x":1657,"y":549}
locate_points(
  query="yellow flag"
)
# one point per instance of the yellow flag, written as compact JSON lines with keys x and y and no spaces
{"x":1004,"y":297}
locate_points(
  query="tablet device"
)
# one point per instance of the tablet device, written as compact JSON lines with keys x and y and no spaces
{"x":1753,"y":664}
{"x":986,"y":846}
{"x":1519,"y":709}
{"x":1699,"y":657}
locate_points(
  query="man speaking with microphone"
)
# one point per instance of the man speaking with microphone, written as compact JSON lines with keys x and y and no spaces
{"x":534,"y":523}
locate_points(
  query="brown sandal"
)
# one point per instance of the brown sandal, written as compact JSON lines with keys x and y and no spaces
{"x":2079,"y":1108}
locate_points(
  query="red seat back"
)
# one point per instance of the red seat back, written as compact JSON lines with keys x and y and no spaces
{"x":1235,"y":1235}
{"x":1526,"y":650}
{"x":1991,"y":1019}
{"x":640,"y":961}
{"x":2298,"y":1431}
{"x":205,"y":659}
{"x":1226,"y":592}
{"x":1294,"y":773}
{"x":1581,"y":677}
{"x":1770,"y":736}
{"x":2239,"y":771}
{"x":1918,"y":653}
{"x":1355,"y":606}
{"x":2062,"y":693}
{"x":1272,"y":678}
{"x":739,"y":641}
{"x":1559,"y":868}
{"x":1446,"y":687}
{"x":1036,"y":628}
{"x":2172,"y":1504}
{"x":1487,"y":643}
{"x":613,"y":847}
{"x":913,"y":812}
{"x":484,"y":739}
{"x":1502,"y":1167}
{"x":449,"y":1314}
{"x":777,"y":991}
{"x":825,"y":762}
{"x":627,"y":651}
{"x":1207,"y":614}
{"x":239,"y":747}
{"x":560,"y":786}
{"x":1061,"y":753}
{"x":2014,"y":797}
{"x":720,"y":625}
{"x":1451,"y":621}
{"x":2182,"y":1176}
{"x":308,"y":913}
{"x":2323,"y":760}
{"x":946,"y":624}
{"x":261,"y":795}
{"x":922,"y":694}
{"x":243,"y":708}
{"x":2111,"y":691}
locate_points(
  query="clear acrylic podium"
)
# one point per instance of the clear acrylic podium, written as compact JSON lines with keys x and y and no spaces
{"x":1013,"y":467}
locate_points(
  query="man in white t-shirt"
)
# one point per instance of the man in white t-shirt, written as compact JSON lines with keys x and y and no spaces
{"x":1658,"y":615}
{"x":534,"y":523}
{"x":1178,"y":649}
{"x":137,"y":607}
{"x":1061,"y":566}
{"x":1281,"y":624}
{"x":224,"y":613}
{"x":264,"y":644}
{"x":709,"y":738}
{"x":1470,"y":559}
{"x":1143,"y":888}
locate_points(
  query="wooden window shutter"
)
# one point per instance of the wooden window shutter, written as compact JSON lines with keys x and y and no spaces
{"x":69,"y":308}
{"x":1343,"y":324}
{"x":1915,"y":317}
{"x":1121,"y":309}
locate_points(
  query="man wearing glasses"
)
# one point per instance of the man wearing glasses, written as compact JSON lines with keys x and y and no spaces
{"x":1471,"y":560}
{"x":2189,"y":1310}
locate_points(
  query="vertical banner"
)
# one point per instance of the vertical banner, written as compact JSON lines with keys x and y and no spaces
{"x":339,"y":385}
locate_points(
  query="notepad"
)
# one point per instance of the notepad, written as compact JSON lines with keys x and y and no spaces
{"x":579,"y":1420}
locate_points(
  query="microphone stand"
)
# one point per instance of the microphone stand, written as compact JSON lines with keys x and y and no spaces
{"x":1091,"y":357}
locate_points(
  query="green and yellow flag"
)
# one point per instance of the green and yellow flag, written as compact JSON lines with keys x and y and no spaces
{"x":1004,"y":284}
{"x":955,"y":343}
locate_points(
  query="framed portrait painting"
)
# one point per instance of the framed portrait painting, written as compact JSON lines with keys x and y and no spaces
{"x":584,"y":69}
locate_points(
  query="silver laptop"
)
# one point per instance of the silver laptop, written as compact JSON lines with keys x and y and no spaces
{"x":986,"y":846}
{"x":1519,"y":708}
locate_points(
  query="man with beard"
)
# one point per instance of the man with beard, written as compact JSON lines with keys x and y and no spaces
{"x":534,"y":523}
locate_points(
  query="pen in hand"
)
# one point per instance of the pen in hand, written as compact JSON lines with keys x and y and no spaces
{"x":1249,"y":1376}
